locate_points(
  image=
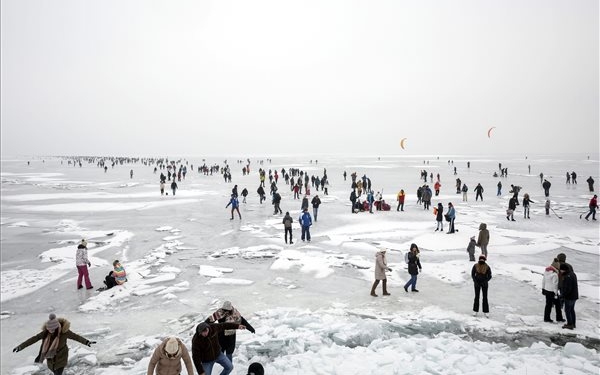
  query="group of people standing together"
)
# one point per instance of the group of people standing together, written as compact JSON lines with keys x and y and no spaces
{"x":213,"y":342}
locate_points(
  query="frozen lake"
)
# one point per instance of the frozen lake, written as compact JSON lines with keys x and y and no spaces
{"x":309,"y":302}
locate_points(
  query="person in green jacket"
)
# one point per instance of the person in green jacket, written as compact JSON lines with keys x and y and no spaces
{"x":54,"y":350}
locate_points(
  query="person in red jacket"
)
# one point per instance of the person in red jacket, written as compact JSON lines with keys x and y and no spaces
{"x":593,"y":206}
{"x":206,"y":350}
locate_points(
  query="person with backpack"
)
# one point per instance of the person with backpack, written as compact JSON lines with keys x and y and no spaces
{"x":414,"y":266}
{"x":287,"y":227}
{"x":305,"y":221}
{"x":380,"y":268}
{"x":481,"y":273}
{"x":235,"y":204}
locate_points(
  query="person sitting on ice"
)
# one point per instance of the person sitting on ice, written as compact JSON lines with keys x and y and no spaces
{"x":117,"y":276}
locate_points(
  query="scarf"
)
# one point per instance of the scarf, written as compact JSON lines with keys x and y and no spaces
{"x":50,"y":345}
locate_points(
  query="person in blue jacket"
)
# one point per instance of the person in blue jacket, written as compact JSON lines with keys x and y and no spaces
{"x":451,"y":215}
{"x":305,"y":222}
{"x":235,"y":204}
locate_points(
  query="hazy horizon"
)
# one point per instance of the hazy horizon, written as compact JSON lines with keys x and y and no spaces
{"x":281,"y":78}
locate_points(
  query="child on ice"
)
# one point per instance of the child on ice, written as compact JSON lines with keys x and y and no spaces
{"x":471,"y":249}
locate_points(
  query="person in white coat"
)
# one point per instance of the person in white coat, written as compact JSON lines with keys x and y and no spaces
{"x":550,"y":291}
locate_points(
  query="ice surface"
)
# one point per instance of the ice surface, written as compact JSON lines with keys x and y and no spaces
{"x":309,"y":302}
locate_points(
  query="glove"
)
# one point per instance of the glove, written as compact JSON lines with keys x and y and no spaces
{"x":253,"y":330}
{"x":17,"y":349}
{"x":89,"y":343}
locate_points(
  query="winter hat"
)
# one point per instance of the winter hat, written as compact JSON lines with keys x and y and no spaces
{"x":201,"y":327}
{"x":482,"y":257}
{"x":172,"y":346}
{"x":256,"y":369}
{"x":556,"y":264}
{"x":52,"y":323}
{"x":227,"y":305}
{"x":473,"y":238}
{"x":83,"y":242}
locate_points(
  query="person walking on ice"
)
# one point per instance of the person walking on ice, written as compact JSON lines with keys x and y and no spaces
{"x":54,"y":350}
{"x":167,"y":358}
{"x":593,"y":206}
{"x":380,"y":269}
{"x":414,"y":266}
{"x":235,"y":206}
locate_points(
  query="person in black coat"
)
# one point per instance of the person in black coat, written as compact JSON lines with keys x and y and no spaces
{"x":439,"y":217}
{"x":353,"y":199}
{"x":481,"y":273}
{"x":546,"y":185}
{"x":569,"y":292}
{"x":414,"y":265}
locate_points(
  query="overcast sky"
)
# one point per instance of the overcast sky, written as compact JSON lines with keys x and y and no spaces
{"x":299,"y":77}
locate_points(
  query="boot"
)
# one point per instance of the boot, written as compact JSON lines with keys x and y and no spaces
{"x":385,"y":292}
{"x":373,"y":288}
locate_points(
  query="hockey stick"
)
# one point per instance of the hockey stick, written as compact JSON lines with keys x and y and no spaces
{"x":560,"y":217}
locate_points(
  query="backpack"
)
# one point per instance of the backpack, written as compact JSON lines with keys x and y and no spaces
{"x":406,"y":260}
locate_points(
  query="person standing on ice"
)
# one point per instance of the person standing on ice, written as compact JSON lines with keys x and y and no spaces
{"x":206,"y":350}
{"x":526,"y":204}
{"x":167,"y":357}
{"x":499,"y":193}
{"x":483,"y":239}
{"x":478,"y":192}
{"x":305,"y":222}
{"x":228,"y":314}
{"x":464,"y":190}
{"x":353,"y":199}
{"x":481,"y":274}
{"x":380,"y":269}
{"x":82,"y":262}
{"x":512,"y":206}
{"x":54,"y":350}
{"x":244,"y":194}
{"x":162,"y":188}
{"x":593,"y":206}
{"x":131,"y":173}
{"x":261,"y":193}
{"x":287,"y":227}
{"x":235,"y":204}
{"x":439,"y":217}
{"x":451,"y":216}
{"x":304,"y":203}
{"x":590,"y":182}
{"x":570,"y":293}
{"x":316,"y":202}
{"x":471,"y":249}
{"x":550,"y":291}
{"x":546,"y":185}
{"x":174,"y":186}
{"x":414,"y":266}
{"x":400,"y":199}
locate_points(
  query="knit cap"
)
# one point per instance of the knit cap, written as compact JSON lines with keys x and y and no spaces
{"x":227,"y":305}
{"x":52,"y":323}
